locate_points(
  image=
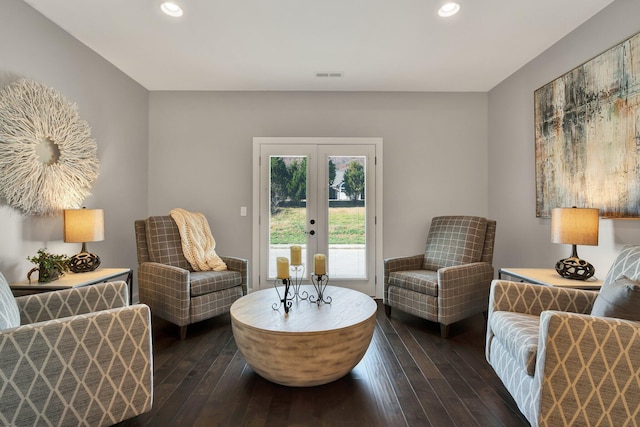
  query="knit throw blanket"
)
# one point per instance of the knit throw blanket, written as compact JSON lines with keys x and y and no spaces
{"x":198,"y":245}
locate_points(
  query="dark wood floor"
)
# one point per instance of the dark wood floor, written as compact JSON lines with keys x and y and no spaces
{"x":408,"y":377}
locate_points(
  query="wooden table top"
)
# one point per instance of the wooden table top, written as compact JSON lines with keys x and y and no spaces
{"x":347,"y":308}
{"x":549,"y":277}
{"x":72,"y":280}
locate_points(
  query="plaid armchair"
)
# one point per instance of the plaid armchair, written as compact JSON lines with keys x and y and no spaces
{"x":562,"y":365}
{"x":74,"y":357}
{"x":171,"y":288}
{"x":450,"y":281}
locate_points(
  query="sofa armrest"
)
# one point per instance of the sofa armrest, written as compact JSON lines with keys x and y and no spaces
{"x":534,"y":299}
{"x":461,"y":289}
{"x":91,"y":369}
{"x":241,"y":265}
{"x":70,"y":302}
{"x":166,"y":290}
{"x":587,"y":370}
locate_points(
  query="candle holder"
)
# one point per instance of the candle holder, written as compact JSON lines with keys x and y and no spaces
{"x":286,"y":298}
{"x":320,"y":282}
{"x":296,"y":279}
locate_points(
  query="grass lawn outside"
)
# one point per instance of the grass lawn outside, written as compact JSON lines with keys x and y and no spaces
{"x":346,"y":226}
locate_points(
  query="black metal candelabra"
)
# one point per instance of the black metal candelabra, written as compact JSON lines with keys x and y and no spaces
{"x":320,"y":282}
{"x":296,"y":278}
{"x":285,"y":300}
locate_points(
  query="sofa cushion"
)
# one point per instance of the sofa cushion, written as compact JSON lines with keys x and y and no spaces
{"x":163,"y":242}
{"x":9,"y":313}
{"x":421,"y":281}
{"x":454,"y":240}
{"x":626,"y":264}
{"x":619,"y":299}
{"x":518,"y":333}
{"x":206,"y":282}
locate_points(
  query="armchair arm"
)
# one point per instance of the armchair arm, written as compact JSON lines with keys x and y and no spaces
{"x":392,"y":265}
{"x":588,"y":370}
{"x":70,"y":302}
{"x":166,"y":290}
{"x":91,"y":369}
{"x":402,"y":263}
{"x":534,"y":299}
{"x":241,"y":265}
{"x":463,"y":290}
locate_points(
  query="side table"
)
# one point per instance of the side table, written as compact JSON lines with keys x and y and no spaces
{"x":549,"y":277}
{"x":74,"y":280}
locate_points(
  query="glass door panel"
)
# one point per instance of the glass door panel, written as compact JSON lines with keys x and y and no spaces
{"x":288,"y":214}
{"x":347,"y":226}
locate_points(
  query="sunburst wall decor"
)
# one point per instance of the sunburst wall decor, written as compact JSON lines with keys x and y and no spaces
{"x":35,"y":119}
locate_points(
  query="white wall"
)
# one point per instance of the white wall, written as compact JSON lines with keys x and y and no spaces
{"x":115,"y":107}
{"x":435,"y":154}
{"x":522,"y":239}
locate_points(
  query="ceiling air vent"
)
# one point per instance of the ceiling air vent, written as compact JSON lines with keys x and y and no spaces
{"x":332,"y":74}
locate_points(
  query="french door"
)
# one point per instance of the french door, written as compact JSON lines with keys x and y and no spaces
{"x":319,"y":194}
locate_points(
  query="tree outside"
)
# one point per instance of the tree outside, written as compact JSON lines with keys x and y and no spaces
{"x":332,"y":179}
{"x":354,"y":180}
{"x":279,"y":180}
{"x":297,"y":185}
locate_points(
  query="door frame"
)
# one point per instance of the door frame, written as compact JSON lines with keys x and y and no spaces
{"x":259,"y":141}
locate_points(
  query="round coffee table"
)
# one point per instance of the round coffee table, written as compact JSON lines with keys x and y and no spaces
{"x":312,"y":344}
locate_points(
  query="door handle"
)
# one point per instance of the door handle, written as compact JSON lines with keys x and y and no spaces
{"x":312,"y":232}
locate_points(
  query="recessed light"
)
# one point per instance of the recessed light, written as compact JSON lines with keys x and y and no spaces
{"x":172,"y":9}
{"x":449,"y":9}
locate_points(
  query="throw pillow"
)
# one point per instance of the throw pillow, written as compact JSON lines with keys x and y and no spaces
{"x":9,"y":313}
{"x":620,"y":299}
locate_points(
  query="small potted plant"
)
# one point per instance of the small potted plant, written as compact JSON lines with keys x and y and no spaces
{"x":49,"y":266}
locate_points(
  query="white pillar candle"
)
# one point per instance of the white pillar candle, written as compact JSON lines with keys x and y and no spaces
{"x":296,"y":255}
{"x":283,"y":267}
{"x":319,"y":264}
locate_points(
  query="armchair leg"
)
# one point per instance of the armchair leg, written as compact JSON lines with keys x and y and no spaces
{"x":444,"y":331}
{"x":183,"y":332}
{"x":387,"y":310}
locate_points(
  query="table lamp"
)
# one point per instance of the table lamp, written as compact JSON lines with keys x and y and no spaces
{"x":575,"y":226}
{"x":82,"y":226}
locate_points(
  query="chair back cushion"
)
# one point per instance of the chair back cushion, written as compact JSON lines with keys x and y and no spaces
{"x":454,"y":240}
{"x":140,"y":226}
{"x":163,"y":242}
{"x":9,"y":313}
{"x":489,"y":242}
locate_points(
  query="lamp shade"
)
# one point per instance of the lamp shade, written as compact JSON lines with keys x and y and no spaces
{"x":575,"y":226}
{"x":83,"y":225}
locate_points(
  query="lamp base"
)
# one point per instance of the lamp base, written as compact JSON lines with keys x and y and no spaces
{"x":575,"y":268}
{"x":84,"y":262}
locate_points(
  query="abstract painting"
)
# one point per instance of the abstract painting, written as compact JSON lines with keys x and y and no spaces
{"x":587,"y":136}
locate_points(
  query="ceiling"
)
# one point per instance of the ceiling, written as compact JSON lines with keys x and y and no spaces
{"x":263,"y":45}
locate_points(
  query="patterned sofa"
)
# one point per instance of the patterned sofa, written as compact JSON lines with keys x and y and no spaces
{"x":562,"y":365}
{"x":450,"y":281}
{"x":168,"y":284}
{"x":74,"y":357}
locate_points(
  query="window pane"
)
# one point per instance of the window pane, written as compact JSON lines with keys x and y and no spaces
{"x":346,"y":217}
{"x":287,"y":208}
